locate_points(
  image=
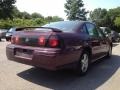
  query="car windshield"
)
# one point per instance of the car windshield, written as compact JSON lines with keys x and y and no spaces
{"x":11,"y":30}
{"x":65,"y":26}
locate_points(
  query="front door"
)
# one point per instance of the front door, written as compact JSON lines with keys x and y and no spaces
{"x":104,"y":44}
{"x":95,"y":41}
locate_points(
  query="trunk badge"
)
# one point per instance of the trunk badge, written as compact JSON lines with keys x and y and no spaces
{"x":26,"y":40}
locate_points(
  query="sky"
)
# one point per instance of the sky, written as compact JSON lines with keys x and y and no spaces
{"x":56,"y":7}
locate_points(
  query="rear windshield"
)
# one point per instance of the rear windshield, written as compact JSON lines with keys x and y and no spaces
{"x":65,"y":26}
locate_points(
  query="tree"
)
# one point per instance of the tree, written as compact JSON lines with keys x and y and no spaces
{"x":56,"y":18}
{"x":25,"y":15}
{"x":6,"y":8}
{"x":36,"y":15}
{"x":99,"y":16}
{"x":113,"y":14}
{"x":53,"y":19}
{"x":16,"y":13}
{"x":117,"y":23}
{"x":48,"y":19}
{"x":75,"y":10}
{"x":109,"y":18}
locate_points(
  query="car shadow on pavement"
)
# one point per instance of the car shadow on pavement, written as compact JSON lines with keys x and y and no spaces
{"x":99,"y":73}
{"x":2,"y":41}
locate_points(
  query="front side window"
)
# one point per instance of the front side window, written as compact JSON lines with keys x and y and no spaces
{"x":83,"y":29}
{"x":92,"y":30}
{"x":101,"y":34}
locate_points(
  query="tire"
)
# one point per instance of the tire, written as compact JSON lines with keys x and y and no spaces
{"x":109,"y":53}
{"x":0,"y":39}
{"x":7,"y":39}
{"x":83,"y":65}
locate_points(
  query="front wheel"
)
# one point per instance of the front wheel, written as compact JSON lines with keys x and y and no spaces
{"x":83,"y":64}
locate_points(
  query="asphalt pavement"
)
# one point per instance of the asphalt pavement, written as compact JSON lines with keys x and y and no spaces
{"x":103,"y":75}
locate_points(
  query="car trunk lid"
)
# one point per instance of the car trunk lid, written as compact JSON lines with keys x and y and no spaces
{"x":37,"y":37}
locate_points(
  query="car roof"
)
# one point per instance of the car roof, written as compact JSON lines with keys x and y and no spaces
{"x":77,"y":21}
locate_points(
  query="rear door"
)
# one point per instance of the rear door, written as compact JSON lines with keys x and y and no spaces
{"x":95,"y":40}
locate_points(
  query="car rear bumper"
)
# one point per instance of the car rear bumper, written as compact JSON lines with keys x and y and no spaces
{"x":47,"y":58}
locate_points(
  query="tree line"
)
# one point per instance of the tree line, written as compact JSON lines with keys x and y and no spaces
{"x":10,"y":16}
{"x":101,"y":17}
{"x":106,"y":18}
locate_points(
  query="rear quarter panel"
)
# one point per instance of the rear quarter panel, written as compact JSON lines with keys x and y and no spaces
{"x":73,"y":44}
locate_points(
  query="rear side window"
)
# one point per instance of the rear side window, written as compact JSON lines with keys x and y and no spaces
{"x":92,"y":30}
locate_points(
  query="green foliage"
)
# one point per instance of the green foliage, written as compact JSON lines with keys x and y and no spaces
{"x":25,"y":15}
{"x":117,"y":23}
{"x":105,"y":18}
{"x":56,"y":18}
{"x":17,"y":22}
{"x":10,"y":16}
{"x":24,"y":19}
{"x":36,"y":15}
{"x":6,"y":9}
{"x":16,"y":13}
{"x":98,"y":14}
{"x":113,"y":13}
{"x":21,"y":23}
{"x":39,"y":22}
{"x":53,"y":19}
{"x":5,"y":23}
{"x":75,"y":10}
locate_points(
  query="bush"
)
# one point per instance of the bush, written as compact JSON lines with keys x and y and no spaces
{"x":21,"y":23}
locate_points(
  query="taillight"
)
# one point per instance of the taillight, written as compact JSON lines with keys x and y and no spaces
{"x":53,"y":41}
{"x":41,"y":41}
{"x":12,"y":40}
{"x":15,"y":40}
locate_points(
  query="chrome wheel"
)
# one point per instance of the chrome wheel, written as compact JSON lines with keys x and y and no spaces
{"x":84,"y":62}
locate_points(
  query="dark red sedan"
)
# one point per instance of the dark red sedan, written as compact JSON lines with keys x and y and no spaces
{"x":60,"y":45}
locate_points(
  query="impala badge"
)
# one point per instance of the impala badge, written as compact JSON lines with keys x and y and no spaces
{"x":26,"y":40}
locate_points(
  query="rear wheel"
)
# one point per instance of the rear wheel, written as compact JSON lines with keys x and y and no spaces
{"x":83,"y":64}
{"x":0,"y":39}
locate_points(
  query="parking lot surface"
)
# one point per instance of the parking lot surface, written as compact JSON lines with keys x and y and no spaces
{"x":103,"y":75}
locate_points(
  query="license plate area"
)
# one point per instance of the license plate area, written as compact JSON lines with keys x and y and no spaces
{"x":24,"y":53}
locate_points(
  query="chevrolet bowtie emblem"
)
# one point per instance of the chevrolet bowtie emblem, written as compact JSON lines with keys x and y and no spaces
{"x":26,"y":40}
